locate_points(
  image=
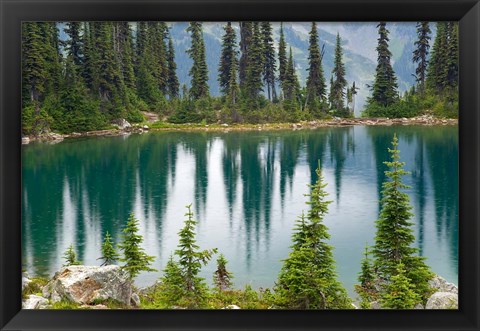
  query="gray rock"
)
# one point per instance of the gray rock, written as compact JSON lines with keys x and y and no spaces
{"x":25,"y":280}
{"x":419,"y":306}
{"x":35,"y":302}
{"x":89,"y":284}
{"x":135,"y":300}
{"x":439,"y":284}
{"x":146,"y":127}
{"x":231,"y":307}
{"x":25,"y":140}
{"x":375,"y":305}
{"x":145,"y":291}
{"x":442,"y":300}
{"x":121,"y":123}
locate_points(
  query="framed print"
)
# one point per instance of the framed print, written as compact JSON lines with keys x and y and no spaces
{"x":239,"y":165}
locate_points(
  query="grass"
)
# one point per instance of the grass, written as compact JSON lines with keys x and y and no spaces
{"x":34,"y":287}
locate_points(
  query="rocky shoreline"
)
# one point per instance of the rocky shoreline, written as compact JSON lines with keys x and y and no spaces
{"x":122,"y":127}
{"x":93,"y":287}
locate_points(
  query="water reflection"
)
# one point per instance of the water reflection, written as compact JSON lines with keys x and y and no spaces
{"x":247,"y":190}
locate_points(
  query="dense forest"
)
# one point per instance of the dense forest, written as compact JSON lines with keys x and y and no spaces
{"x":105,"y":71}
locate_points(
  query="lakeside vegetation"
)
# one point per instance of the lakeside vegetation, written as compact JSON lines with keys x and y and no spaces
{"x":396,"y":277}
{"x":104,"y":71}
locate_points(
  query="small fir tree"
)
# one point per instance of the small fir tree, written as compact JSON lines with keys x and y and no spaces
{"x":70,"y":257}
{"x":399,"y":292}
{"x":191,"y":260}
{"x":134,"y":256}
{"x":366,"y":277}
{"x":222,"y":278}
{"x":172,"y":284}
{"x":109,"y":253}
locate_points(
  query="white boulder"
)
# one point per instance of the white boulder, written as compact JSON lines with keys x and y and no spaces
{"x":35,"y":302}
{"x":89,"y":285}
{"x":442,"y":300}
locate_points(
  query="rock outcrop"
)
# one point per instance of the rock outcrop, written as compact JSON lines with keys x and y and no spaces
{"x":35,"y":302}
{"x":90,"y":285}
{"x":121,"y":123}
{"x":442,"y":300}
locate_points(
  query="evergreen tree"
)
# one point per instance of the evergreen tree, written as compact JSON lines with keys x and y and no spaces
{"x":156,"y":40}
{"x":90,"y":71}
{"x":147,"y":82}
{"x":420,"y":54}
{"x":222,"y":278}
{"x":254,"y":84}
{"x":384,"y":89}
{"x":339,"y":82}
{"x":199,"y":70}
{"x":282,"y":56}
{"x":307,"y":279}
{"x":173,"y":83}
{"x":134,"y":256}
{"x":126,"y":54}
{"x":437,"y":73}
{"x":366,"y":289}
{"x":74,"y":44}
{"x":316,"y":87}
{"x":246,"y":33}
{"x":400,"y":292}
{"x":70,"y":257}
{"x":191,"y":260}
{"x":233,"y":85}
{"x":228,"y":59}
{"x":291,"y":86}
{"x":109,"y":253}
{"x":452,"y":55}
{"x":269,"y":63}
{"x":172,"y":284}
{"x":34,"y":63}
{"x":394,"y":235}
{"x":111,"y":87}
{"x":53,"y":58}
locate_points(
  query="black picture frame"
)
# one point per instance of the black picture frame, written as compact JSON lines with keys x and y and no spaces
{"x":13,"y":12}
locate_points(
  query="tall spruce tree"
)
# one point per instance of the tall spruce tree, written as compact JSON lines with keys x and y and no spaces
{"x":308,"y":279}
{"x":173,"y":84}
{"x":339,"y":82}
{"x":437,"y":72}
{"x":246,"y":34}
{"x":291,"y":86}
{"x":156,"y":40}
{"x":199,"y":70}
{"x":452,"y":55}
{"x":228,"y":59}
{"x":254,"y":85}
{"x":316,"y":86}
{"x":74,"y":43}
{"x":420,"y":54}
{"x":282,"y":56}
{"x":125,"y":48}
{"x":384,"y":89}
{"x":34,"y":63}
{"x":269,"y":63}
{"x":394,"y":236}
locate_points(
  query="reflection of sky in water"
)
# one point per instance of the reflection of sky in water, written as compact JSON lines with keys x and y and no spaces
{"x":247,"y":189}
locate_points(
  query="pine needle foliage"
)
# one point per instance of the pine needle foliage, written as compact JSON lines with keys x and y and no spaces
{"x":134,"y":256}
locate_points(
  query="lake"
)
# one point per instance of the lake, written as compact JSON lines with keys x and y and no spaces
{"x":246,"y":190}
